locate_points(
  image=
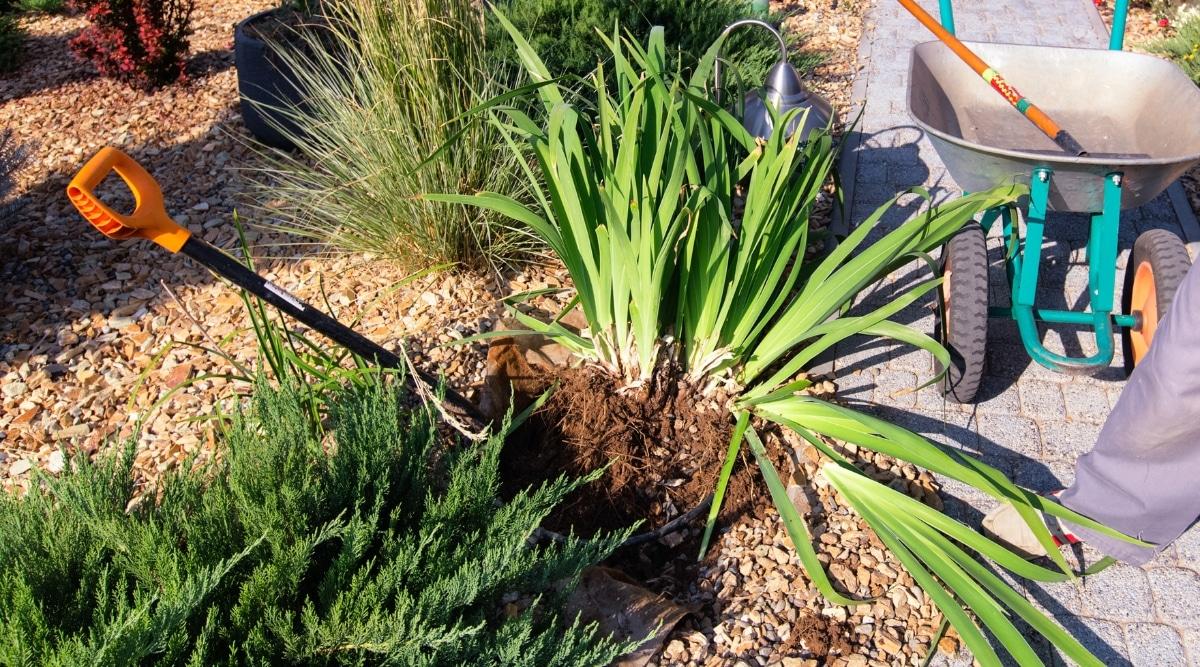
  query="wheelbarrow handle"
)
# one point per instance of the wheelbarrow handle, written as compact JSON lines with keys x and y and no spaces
{"x":149,"y":219}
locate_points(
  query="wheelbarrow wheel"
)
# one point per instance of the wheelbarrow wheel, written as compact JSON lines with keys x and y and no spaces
{"x":1156,"y":268}
{"x":964,"y":268}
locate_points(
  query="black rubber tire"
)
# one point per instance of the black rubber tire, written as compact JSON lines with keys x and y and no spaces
{"x":1169,"y":260}
{"x":967,"y":313}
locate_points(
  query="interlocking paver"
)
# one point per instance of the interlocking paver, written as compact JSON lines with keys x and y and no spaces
{"x":1047,"y":476}
{"x":997,"y":396}
{"x":1188,"y":548}
{"x":932,"y":400}
{"x":1105,"y":639}
{"x":1010,"y":435}
{"x":966,"y":503}
{"x":1056,"y":599}
{"x":948,"y":426}
{"x":1030,"y":420}
{"x":1154,"y":645}
{"x":914,"y":360}
{"x":1114,"y":393}
{"x":1191,"y":645}
{"x":1086,"y":402}
{"x":861,"y":353}
{"x":1176,"y":591}
{"x":1067,"y":441}
{"x":896,"y":388}
{"x":1121,"y":594}
{"x":856,"y":386}
{"x":1042,"y":400}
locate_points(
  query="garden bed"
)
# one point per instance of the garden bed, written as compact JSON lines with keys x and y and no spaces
{"x":88,"y":322}
{"x":749,"y":599}
{"x":755,"y":604}
{"x":86,"y":319}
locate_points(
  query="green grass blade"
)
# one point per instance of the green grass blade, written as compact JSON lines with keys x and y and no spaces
{"x":797,"y":529}
{"x":897,"y":503}
{"x":735,"y":445}
{"x":1015,"y":601}
{"x":966,"y":627}
{"x":550,"y":94}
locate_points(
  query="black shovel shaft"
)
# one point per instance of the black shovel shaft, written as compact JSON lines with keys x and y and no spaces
{"x":237,"y":273}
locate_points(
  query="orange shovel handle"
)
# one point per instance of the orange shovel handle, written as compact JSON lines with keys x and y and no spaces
{"x":149,"y":219}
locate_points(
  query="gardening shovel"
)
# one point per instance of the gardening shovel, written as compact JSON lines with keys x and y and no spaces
{"x":150,"y":221}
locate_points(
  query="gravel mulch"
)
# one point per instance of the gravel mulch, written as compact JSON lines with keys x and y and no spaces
{"x":833,"y":28}
{"x":82,"y":317}
{"x":1141,"y":24}
{"x":94,"y":332}
{"x":97,"y":337}
{"x":754,"y":603}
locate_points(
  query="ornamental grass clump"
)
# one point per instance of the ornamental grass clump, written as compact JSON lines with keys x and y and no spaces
{"x":385,"y":83}
{"x":372,"y":547}
{"x":636,"y":193}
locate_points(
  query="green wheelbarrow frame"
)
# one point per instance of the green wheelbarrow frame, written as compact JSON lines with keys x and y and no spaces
{"x":1116,"y":40}
{"x":1023,"y":275}
{"x":967,"y":126}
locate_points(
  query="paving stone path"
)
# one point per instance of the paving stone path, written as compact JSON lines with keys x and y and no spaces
{"x":1030,"y":422}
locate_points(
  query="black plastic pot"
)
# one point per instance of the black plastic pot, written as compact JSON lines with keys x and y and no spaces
{"x":265,"y":84}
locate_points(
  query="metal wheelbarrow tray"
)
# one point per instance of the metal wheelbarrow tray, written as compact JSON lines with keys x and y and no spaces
{"x":1136,"y":115}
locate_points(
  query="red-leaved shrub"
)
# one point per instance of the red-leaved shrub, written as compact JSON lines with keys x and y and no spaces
{"x":140,"y":42}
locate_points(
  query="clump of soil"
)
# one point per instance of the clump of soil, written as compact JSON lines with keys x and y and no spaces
{"x":663,"y":444}
{"x":750,"y":598}
{"x":818,"y":637}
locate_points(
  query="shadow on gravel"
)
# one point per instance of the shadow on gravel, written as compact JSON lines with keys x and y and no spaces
{"x":207,"y":63}
{"x":56,"y":271}
{"x":47,"y":63}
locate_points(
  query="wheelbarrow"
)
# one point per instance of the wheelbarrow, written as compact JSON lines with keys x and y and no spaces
{"x":1116,"y":104}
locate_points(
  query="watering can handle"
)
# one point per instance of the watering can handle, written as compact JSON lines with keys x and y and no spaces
{"x":149,"y":219}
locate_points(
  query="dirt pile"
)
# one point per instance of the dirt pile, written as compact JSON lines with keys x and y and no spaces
{"x":663,"y":445}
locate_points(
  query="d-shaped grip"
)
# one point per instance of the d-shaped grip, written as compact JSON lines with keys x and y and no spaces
{"x":149,"y":219}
